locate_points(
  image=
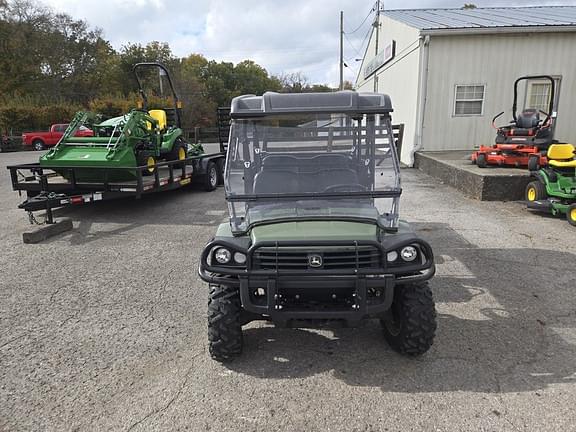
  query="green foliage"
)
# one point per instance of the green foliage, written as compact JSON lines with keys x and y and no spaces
{"x":19,"y":114}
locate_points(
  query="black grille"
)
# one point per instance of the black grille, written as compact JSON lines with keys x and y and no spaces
{"x":270,"y":258}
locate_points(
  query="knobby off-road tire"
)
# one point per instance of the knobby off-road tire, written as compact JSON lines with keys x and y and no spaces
{"x":410,"y":324}
{"x":224,"y":329}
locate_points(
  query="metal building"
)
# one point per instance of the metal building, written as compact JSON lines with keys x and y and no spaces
{"x":449,"y":71}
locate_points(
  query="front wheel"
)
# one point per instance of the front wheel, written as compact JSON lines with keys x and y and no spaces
{"x":143,"y":159}
{"x":410,"y":324}
{"x":211,"y":177}
{"x":571,"y":215}
{"x":224,"y":329}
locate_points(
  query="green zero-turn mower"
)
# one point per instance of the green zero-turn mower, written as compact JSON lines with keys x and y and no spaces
{"x":554,"y":189}
{"x":139,"y":138}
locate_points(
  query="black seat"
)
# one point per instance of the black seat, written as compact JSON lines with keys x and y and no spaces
{"x":280,"y":161}
{"x":276,"y":181}
{"x":528,"y":119}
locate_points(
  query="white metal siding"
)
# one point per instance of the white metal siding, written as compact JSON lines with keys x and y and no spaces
{"x":496,"y":61}
{"x":398,"y":78}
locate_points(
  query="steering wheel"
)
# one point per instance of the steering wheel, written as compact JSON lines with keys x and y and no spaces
{"x":350,"y":186}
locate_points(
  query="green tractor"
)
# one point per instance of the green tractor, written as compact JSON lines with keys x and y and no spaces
{"x":314,"y":237}
{"x":138,"y":139}
{"x":554,"y":189}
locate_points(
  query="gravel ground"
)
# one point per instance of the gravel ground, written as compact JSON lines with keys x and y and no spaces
{"x":104,"y":328}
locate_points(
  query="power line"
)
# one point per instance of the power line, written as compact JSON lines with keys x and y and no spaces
{"x":352,"y":45}
{"x":360,"y":26}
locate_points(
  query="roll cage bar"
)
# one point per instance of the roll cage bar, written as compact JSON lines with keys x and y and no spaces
{"x":177,"y":103}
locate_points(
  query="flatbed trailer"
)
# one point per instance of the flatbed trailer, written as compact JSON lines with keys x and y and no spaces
{"x":47,"y":190}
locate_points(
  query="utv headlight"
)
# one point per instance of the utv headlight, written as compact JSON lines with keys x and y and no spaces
{"x":392,"y":256}
{"x":239,"y":257}
{"x":408,"y":253}
{"x":222,"y":255}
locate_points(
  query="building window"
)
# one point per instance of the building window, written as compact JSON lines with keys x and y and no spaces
{"x":469,"y":100}
{"x":538,"y":96}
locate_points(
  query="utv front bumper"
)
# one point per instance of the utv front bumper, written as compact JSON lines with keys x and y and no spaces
{"x":356,"y":280}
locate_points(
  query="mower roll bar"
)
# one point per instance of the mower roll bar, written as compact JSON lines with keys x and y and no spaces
{"x":551,"y":104}
{"x":143,"y":93}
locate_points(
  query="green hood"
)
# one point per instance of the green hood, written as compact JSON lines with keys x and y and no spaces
{"x":314,"y":230}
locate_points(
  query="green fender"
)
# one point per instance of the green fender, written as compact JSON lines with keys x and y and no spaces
{"x":169,"y":138}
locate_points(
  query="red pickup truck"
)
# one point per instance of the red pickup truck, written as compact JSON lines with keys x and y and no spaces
{"x":41,"y":140}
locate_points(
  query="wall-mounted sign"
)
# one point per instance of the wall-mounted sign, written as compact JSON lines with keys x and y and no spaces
{"x":381,"y":59}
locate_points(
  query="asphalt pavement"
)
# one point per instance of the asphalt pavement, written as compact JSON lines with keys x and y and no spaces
{"x":104,"y":327}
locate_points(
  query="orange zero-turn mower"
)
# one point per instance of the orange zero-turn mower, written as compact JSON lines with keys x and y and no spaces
{"x":524,"y":142}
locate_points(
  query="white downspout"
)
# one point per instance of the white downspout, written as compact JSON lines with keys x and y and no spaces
{"x":422,"y":94}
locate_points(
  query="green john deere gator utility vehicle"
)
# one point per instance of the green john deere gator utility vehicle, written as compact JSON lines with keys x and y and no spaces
{"x":138,"y":138}
{"x":312,"y":183}
{"x":554,"y":190}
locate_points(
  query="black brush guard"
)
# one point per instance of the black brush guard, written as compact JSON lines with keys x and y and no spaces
{"x":356,"y":279}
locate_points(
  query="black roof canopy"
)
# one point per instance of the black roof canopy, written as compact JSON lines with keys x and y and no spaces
{"x":348,"y":102}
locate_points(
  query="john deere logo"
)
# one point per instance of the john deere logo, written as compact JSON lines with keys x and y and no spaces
{"x":315,"y":261}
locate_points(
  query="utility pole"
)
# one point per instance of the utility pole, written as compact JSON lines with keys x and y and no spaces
{"x":377,"y":24}
{"x":341,"y":50}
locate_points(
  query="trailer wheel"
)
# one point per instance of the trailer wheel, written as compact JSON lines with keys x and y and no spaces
{"x":481,"y":161}
{"x":38,"y":145}
{"x":410,"y":324}
{"x":224,"y":329}
{"x":535,"y":191}
{"x":571,"y":215}
{"x":211,"y":177}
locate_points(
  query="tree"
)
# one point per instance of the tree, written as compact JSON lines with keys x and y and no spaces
{"x":469,"y":6}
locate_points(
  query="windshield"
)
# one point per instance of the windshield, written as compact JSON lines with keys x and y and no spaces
{"x":322,"y":166}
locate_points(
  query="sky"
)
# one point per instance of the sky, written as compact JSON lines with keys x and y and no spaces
{"x":284,"y":36}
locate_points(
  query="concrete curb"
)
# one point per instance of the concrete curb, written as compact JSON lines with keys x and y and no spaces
{"x":484,"y":184}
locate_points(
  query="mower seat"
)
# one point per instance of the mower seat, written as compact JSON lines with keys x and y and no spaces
{"x":160,"y":117}
{"x":528,"y":119}
{"x":561,"y":156}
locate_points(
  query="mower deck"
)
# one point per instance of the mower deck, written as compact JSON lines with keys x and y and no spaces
{"x":509,"y":155}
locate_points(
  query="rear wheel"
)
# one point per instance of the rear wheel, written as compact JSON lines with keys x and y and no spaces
{"x":481,"y":161}
{"x":178,"y":151}
{"x":535,"y":191}
{"x":571,"y":215}
{"x":534,"y":163}
{"x":224,"y":329}
{"x":410,"y":324}
{"x":211,"y":177}
{"x":38,"y":145}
